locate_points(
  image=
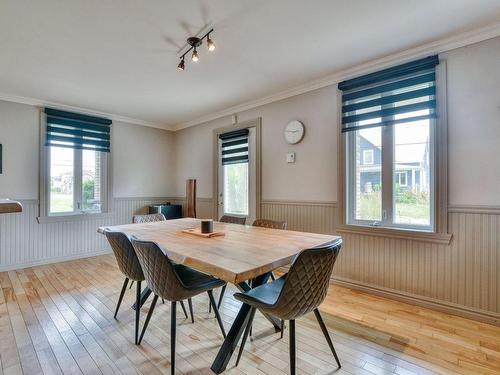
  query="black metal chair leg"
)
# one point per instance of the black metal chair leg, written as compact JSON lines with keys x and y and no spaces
{"x":292,"y":347}
{"x":131,"y":284}
{"x":217,"y":315}
{"x":173,"y":327}
{"x":190,"y":304}
{"x":137,"y":311}
{"x":245,"y":335}
{"x":184,"y":309}
{"x":222,"y":291}
{"x":327,"y":335}
{"x":124,"y":287}
{"x":150,"y":313}
{"x":282,"y":327}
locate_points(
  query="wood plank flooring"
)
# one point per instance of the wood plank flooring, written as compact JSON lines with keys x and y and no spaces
{"x":58,"y":319}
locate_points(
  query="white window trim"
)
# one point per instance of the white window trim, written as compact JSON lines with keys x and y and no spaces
{"x":439,"y":210}
{"x":368,"y":152}
{"x":400,"y":174}
{"x":44,"y":180}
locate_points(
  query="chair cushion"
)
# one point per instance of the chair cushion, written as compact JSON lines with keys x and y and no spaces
{"x":264,"y":295}
{"x":195,"y":280}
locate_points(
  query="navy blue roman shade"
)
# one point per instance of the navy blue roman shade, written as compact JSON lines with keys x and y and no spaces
{"x":401,"y":94}
{"x":74,"y":130}
{"x":234,"y":147}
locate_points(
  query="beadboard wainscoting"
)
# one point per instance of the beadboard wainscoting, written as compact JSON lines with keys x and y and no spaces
{"x":462,"y":277}
{"x":24,"y":242}
{"x":317,"y":217}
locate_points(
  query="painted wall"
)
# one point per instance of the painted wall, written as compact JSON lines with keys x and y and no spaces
{"x":473,"y":76}
{"x":143,"y":167}
{"x":461,"y":277}
{"x":143,"y":158}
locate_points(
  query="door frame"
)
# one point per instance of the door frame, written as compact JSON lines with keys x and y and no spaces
{"x":254,"y":123}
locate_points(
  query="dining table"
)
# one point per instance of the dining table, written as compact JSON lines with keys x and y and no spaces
{"x":242,"y":255}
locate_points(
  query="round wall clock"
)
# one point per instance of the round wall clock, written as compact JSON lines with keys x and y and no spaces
{"x":294,"y":132}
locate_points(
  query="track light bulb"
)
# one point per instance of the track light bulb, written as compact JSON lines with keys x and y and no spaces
{"x":195,"y":57}
{"x":181,"y":65}
{"x":210,"y":44}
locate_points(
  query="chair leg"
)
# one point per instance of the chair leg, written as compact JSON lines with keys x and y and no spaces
{"x":150,"y":313}
{"x":217,"y":315}
{"x":173,"y":327}
{"x":124,"y":287}
{"x":131,"y":284}
{"x":273,"y":277}
{"x":222,"y":291}
{"x":137,"y":311}
{"x":292,"y":347}
{"x":245,"y":334}
{"x":327,"y":335}
{"x":184,"y":309}
{"x":190,"y":304}
{"x":282,"y":327}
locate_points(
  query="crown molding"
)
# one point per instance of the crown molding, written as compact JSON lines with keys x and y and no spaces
{"x":44,"y":103}
{"x":437,"y":46}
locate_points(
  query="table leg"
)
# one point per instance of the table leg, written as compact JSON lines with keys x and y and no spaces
{"x":239,"y":324}
{"x":144,"y":296}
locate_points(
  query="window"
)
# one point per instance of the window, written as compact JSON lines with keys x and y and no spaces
{"x":401,"y":179}
{"x":74,"y":177}
{"x":235,"y":172}
{"x":388,"y":119}
{"x":367,"y":157}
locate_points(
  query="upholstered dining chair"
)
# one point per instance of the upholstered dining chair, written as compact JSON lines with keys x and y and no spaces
{"x":151,"y":218}
{"x":129,"y":265}
{"x":295,"y":294}
{"x":137,"y":219}
{"x":233,"y":219}
{"x":273,"y":224}
{"x":173,"y":282}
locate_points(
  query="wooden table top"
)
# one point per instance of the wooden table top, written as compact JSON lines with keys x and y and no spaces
{"x":8,"y":206}
{"x":244,"y":253}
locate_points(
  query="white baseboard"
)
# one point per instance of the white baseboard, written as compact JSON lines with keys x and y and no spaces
{"x":434,"y":304}
{"x":64,"y":258}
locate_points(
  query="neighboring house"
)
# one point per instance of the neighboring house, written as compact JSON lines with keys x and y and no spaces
{"x":411,"y":174}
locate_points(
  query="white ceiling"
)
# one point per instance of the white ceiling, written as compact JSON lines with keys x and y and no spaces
{"x":121,"y":56}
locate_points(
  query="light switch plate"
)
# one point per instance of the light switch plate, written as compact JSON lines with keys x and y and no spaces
{"x":290,"y":157}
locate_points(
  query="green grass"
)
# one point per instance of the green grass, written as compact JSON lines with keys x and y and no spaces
{"x":409,"y":213}
{"x":61,"y":202}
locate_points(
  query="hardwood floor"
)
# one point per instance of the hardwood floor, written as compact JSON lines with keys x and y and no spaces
{"x":58,"y":319}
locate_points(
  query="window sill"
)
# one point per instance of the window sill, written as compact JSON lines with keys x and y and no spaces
{"x":72,"y":218}
{"x":403,"y":234}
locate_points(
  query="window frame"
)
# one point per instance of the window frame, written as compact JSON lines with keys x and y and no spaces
{"x":45,"y":216}
{"x":439,"y":179}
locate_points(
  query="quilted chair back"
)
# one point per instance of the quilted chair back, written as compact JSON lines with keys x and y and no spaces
{"x":148,"y":218}
{"x":233,"y":219}
{"x":272,"y":224}
{"x":159,"y":271}
{"x":307,"y":281}
{"x":125,"y":255}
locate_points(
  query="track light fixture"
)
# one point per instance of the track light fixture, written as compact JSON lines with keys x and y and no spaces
{"x":195,"y":57}
{"x":181,"y":64}
{"x":195,"y":42}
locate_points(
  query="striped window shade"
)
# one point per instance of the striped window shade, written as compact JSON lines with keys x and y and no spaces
{"x":74,"y":130}
{"x":401,"y":94}
{"x":234,"y":147}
